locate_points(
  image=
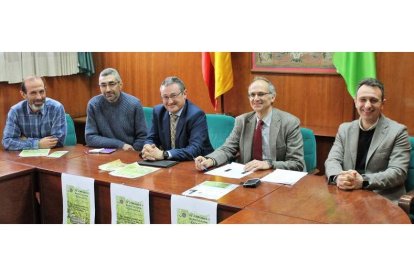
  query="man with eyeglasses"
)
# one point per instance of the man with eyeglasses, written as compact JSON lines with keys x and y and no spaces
{"x":179,"y":128}
{"x":266,"y":138}
{"x":372,"y":152}
{"x":37,"y":122}
{"x":115,"y":119}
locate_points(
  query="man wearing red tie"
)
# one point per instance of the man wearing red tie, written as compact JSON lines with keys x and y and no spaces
{"x":266,"y":138}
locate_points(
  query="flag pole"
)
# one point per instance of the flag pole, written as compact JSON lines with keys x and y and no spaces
{"x":222,"y":103}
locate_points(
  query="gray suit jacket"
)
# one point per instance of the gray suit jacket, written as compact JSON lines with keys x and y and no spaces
{"x":286,"y":143}
{"x":387,"y":159}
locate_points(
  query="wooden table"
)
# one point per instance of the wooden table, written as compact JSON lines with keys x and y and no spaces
{"x":161,"y":184}
{"x":313,"y":199}
{"x":260,"y":217}
{"x":17,"y":201}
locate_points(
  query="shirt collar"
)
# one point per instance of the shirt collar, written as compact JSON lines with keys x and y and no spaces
{"x":267,"y":119}
{"x":178,"y":113}
{"x":370,"y":128}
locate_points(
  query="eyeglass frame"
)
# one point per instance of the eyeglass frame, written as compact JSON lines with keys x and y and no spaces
{"x":110,"y":84}
{"x":172,"y":96}
{"x":258,"y":94}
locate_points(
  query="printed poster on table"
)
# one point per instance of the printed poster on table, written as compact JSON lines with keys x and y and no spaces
{"x":187,"y":210}
{"x":78,"y":199}
{"x":129,"y":205}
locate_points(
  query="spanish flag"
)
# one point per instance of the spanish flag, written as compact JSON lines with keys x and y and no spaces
{"x":217,"y":74}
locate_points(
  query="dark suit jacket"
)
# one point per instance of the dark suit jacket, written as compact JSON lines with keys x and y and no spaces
{"x":191,"y":138}
{"x":387,"y":160}
{"x":285,"y":141}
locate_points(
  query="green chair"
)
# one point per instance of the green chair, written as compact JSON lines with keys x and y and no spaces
{"x":406,"y":202}
{"x":309,"y":150}
{"x":70,"y":139}
{"x":148,"y":117}
{"x":219,"y":128}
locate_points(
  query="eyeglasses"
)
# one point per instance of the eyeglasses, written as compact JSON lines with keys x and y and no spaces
{"x":259,"y":94}
{"x":172,"y":96}
{"x":110,"y":84}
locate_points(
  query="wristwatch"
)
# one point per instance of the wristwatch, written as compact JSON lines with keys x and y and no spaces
{"x":365,"y":182}
{"x":165,"y":154}
{"x":270,"y":162}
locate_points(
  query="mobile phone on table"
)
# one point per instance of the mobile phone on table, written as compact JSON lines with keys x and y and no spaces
{"x":251,"y":183}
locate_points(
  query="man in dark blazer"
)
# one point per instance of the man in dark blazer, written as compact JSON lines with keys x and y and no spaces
{"x":372,"y":152}
{"x":178,"y":117}
{"x":281,"y":138}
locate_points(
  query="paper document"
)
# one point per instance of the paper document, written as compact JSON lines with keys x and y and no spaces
{"x":133,"y":170}
{"x":284,"y":176}
{"x":57,"y":154}
{"x":112,"y":166}
{"x":78,"y":199}
{"x":34,"y":153}
{"x":211,"y":189}
{"x":233,"y":170}
{"x":187,"y":210}
{"x":129,"y":205}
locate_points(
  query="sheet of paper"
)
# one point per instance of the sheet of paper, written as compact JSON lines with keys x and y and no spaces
{"x":57,"y":154}
{"x":112,"y":166}
{"x":78,"y":199}
{"x":211,"y":189}
{"x":233,"y":170}
{"x":129,"y":205}
{"x":187,"y":210}
{"x":133,"y":170}
{"x":34,"y":153}
{"x":284,"y":176}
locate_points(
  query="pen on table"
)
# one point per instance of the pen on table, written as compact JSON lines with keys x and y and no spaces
{"x":202,"y":167}
{"x":227,"y":170}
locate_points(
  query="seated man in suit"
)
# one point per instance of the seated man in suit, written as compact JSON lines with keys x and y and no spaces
{"x":179,"y":128}
{"x":372,"y":152}
{"x":37,"y":122}
{"x":115,"y":118}
{"x":266,"y":138}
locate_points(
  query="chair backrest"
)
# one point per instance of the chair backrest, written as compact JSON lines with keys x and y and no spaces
{"x":219,"y":128}
{"x":409,"y":183}
{"x":148,"y":116}
{"x":70,"y":139}
{"x":309,"y":149}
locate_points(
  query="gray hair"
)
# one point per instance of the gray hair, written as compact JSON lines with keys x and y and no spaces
{"x":110,"y":72}
{"x":171,"y":80}
{"x":272,"y":89}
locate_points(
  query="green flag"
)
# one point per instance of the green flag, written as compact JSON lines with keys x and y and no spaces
{"x":354,"y":66}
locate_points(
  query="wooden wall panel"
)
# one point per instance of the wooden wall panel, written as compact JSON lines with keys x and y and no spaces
{"x":396,"y":71}
{"x":320,"y":101}
{"x":142,"y":74}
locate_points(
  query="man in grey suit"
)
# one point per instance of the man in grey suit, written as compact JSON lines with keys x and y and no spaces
{"x":266,"y":138}
{"x":372,"y":152}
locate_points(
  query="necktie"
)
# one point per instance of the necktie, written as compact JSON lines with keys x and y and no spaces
{"x":173,"y":126}
{"x":257,"y":141}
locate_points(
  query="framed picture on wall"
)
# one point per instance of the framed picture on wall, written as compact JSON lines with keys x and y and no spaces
{"x":293,"y":62}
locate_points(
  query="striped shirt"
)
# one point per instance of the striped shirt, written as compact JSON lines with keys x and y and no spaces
{"x":25,"y":128}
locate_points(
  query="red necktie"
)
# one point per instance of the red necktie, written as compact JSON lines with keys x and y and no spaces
{"x":257,"y":141}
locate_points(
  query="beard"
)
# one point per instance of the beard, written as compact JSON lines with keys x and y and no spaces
{"x":35,"y":107}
